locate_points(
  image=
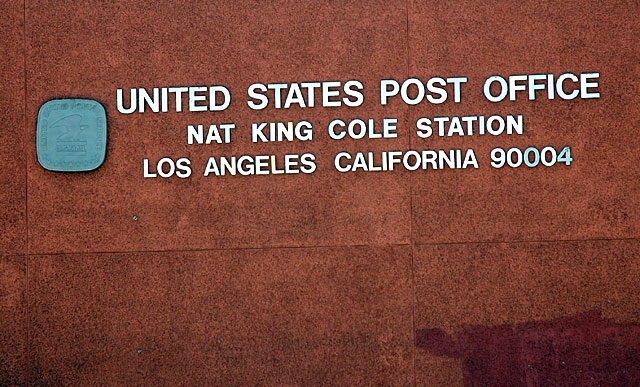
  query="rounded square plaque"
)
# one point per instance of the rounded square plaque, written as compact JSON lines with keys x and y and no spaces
{"x":71,"y":135}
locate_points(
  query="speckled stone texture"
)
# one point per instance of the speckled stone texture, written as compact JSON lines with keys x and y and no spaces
{"x":436,"y":278}
{"x":13,"y":227}
{"x":486,"y":291}
{"x":105,"y":47}
{"x":597,"y":196}
{"x":238,"y":317}
{"x":13,"y":320}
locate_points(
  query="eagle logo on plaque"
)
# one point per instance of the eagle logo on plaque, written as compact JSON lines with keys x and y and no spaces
{"x":71,"y":135}
{"x":72,"y":139}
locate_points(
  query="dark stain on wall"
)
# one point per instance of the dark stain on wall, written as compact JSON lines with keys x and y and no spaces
{"x":581,"y":350}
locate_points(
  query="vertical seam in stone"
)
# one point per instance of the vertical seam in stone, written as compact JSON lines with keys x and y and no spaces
{"x":25,"y":153}
{"x":411,"y":244}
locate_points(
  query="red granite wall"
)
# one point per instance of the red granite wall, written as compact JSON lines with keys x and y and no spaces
{"x":449,"y":277}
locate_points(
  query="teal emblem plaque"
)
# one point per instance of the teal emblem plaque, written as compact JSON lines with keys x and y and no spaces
{"x":71,"y":135}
